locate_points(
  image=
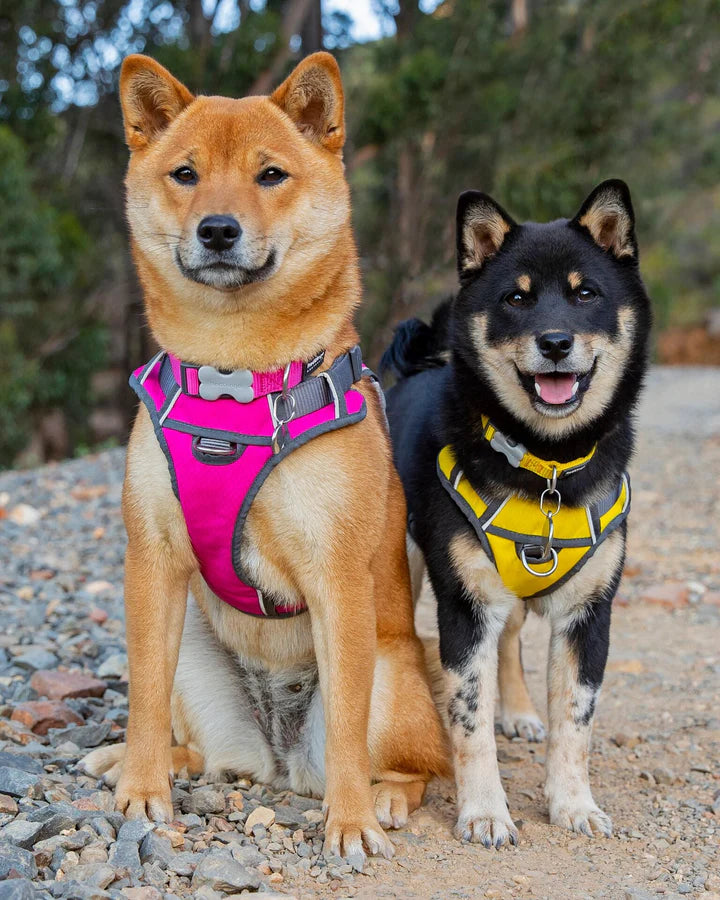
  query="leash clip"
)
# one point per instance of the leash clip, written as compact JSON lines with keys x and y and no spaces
{"x":281,"y":433}
{"x":550,"y":497}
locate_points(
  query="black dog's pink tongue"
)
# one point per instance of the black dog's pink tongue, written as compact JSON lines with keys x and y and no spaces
{"x":555,"y":388}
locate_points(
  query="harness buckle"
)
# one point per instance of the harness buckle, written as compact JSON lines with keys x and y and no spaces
{"x":214,"y":384}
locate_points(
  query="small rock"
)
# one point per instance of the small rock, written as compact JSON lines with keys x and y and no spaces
{"x":671,"y":595}
{"x":21,"y":833}
{"x":17,"y":889}
{"x":205,"y":800}
{"x":42,"y":715}
{"x":98,"y":875}
{"x":15,"y":761}
{"x":58,"y":685}
{"x":115,"y":666}
{"x":98,"y":616}
{"x":36,"y":658}
{"x":135,"y":830}
{"x":124,"y":855}
{"x":85,"y":735}
{"x":24,"y":514}
{"x":99,"y":587}
{"x":156,"y":850}
{"x":222,"y":873}
{"x":16,"y":862}
{"x":142,"y":893}
{"x":16,"y":782}
{"x":8,"y":806}
{"x":663,"y":775}
{"x":262,"y":815}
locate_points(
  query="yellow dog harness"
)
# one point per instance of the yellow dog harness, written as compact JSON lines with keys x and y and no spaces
{"x":534,"y":546}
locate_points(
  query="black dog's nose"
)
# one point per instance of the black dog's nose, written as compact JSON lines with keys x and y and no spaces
{"x":218,"y":232}
{"x":555,"y":345}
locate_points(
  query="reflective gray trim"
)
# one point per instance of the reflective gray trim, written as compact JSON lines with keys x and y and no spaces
{"x":137,"y":386}
{"x":467,"y":511}
{"x":299,"y":441}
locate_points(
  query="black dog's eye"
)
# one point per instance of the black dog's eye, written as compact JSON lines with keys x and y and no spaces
{"x":519,"y":298}
{"x":185,"y":175}
{"x":272,"y":175}
{"x":585,"y":294}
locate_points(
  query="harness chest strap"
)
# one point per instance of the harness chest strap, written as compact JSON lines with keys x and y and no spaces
{"x":220,"y":451}
{"x":509,"y":527}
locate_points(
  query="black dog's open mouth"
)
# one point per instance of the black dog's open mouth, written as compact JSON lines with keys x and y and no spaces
{"x":557,"y":389}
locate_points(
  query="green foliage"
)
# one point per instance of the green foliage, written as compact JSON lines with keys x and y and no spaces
{"x":48,"y":344}
{"x":589,"y":91}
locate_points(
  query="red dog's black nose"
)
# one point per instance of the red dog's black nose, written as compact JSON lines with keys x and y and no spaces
{"x":218,"y":232}
{"x":555,"y":345}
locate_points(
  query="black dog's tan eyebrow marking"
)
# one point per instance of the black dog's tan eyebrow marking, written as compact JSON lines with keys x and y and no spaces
{"x":524,"y":283}
{"x":575,"y":280}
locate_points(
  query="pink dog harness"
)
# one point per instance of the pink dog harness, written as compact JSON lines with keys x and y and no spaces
{"x":224,"y":432}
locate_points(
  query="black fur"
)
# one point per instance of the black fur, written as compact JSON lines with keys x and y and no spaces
{"x":443,"y":391}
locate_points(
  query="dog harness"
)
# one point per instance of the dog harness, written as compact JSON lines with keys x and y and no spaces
{"x":222,"y":434}
{"x":535,"y":546}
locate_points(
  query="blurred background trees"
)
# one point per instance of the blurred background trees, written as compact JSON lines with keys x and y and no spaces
{"x":532,"y":100}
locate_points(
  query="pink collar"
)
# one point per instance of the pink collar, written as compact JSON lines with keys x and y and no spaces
{"x":243,"y":385}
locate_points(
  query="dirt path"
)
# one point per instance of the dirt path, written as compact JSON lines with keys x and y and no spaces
{"x":655,"y":764}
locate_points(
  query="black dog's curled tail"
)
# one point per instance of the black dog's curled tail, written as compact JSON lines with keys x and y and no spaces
{"x":417,"y":346}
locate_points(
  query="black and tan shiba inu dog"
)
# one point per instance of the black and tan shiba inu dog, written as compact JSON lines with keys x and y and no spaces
{"x":512,"y":423}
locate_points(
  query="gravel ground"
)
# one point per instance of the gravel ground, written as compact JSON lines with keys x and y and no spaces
{"x":656,"y":757}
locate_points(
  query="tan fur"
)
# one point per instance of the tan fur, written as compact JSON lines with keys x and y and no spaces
{"x":575,"y":279}
{"x":608,"y":222}
{"x":328,"y":526}
{"x":498,"y":360}
{"x":483,"y":234}
{"x":524,"y":283}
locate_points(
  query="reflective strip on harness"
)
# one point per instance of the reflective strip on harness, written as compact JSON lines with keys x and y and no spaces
{"x":219,"y":453}
{"x":504,"y":528}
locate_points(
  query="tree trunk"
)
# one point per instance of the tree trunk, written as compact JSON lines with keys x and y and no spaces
{"x":295,"y":14}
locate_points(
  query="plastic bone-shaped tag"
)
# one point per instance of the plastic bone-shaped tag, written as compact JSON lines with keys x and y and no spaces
{"x":237,"y":384}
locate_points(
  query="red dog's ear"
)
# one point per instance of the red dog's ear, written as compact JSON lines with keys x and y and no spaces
{"x":312,"y":95}
{"x":150,"y":98}
{"x":608,"y":215}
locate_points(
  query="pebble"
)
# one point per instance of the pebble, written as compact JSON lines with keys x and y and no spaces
{"x":221,"y":872}
{"x":21,"y":832}
{"x":16,"y":782}
{"x":62,"y":642}
{"x":42,"y":715}
{"x":262,"y":815}
{"x":57,"y":685}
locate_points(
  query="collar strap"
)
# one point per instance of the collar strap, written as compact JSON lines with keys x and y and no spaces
{"x":520,"y":458}
{"x":242,"y":385}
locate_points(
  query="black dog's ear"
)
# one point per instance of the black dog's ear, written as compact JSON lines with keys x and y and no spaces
{"x":608,"y":216}
{"x":482,"y":226}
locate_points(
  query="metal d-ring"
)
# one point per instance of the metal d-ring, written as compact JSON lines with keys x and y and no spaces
{"x":554,"y":556}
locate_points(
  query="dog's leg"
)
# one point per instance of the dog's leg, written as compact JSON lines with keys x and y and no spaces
{"x":472,"y":610}
{"x":155,"y":596}
{"x":517,"y":713}
{"x":343,"y":624}
{"x":406,"y":738}
{"x":578,"y":652}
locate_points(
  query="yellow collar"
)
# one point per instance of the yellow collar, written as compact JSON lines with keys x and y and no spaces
{"x":520,"y":458}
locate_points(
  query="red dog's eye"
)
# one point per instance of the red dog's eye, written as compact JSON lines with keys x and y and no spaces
{"x":272,"y":175}
{"x":185,"y":175}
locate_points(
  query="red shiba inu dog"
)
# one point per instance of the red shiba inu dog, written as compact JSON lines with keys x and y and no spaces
{"x":259,"y":473}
